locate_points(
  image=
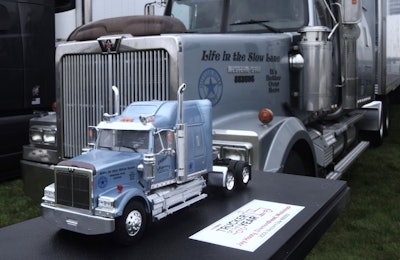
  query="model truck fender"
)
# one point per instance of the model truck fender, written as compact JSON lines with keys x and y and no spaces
{"x":125,"y":194}
{"x":290,"y":149}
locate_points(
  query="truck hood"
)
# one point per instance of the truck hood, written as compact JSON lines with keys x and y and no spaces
{"x":105,"y":162}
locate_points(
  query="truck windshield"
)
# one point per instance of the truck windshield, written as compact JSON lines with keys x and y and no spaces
{"x":123,"y":140}
{"x":214,"y":16}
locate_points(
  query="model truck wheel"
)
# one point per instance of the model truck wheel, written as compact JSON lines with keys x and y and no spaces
{"x":243,"y":174}
{"x":230,"y":181}
{"x":130,"y":227}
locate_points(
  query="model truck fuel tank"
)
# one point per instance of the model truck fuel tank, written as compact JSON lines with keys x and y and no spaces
{"x":316,"y":91}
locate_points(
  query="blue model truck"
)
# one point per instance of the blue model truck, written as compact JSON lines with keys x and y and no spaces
{"x":150,"y":161}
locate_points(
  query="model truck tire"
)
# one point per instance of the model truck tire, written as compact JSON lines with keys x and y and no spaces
{"x":243,"y":174}
{"x":230,"y":181}
{"x":130,"y":227}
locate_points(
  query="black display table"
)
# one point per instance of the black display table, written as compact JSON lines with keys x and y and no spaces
{"x":323,"y":200}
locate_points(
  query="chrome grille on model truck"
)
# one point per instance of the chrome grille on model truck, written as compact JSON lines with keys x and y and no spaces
{"x":73,"y":188}
{"x":85,"y":89}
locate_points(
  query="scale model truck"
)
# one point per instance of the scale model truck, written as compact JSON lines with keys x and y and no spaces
{"x":150,"y":161}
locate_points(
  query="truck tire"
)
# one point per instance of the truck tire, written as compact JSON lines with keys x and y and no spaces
{"x":386,"y":115}
{"x":242,"y":174}
{"x":130,"y":227}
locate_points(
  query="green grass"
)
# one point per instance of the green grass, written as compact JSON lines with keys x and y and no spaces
{"x":369,"y":228}
{"x":14,"y":204}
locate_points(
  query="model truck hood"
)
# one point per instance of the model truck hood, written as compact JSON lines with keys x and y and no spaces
{"x":106,"y":162}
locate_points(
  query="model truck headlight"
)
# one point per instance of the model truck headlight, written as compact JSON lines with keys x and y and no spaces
{"x":49,"y":194}
{"x":105,"y":207}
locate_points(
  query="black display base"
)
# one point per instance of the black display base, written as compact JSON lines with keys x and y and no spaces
{"x":323,"y":200}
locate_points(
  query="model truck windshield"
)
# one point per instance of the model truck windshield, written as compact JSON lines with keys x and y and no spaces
{"x":123,"y":140}
{"x":214,"y":16}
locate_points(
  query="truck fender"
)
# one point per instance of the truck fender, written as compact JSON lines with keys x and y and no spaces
{"x":372,"y":118}
{"x":291,"y":136}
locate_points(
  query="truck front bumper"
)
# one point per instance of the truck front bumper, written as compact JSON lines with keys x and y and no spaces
{"x":76,"y":221}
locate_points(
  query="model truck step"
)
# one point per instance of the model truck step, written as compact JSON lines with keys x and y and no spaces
{"x":168,"y":200}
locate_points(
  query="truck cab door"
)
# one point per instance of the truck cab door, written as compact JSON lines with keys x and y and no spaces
{"x":165,"y":163}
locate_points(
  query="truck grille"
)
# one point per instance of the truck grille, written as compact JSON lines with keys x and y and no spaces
{"x":73,"y":189}
{"x":85,"y":89}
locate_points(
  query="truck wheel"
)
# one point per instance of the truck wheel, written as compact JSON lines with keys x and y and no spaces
{"x":129,"y":228}
{"x":386,"y":115}
{"x":230,"y":181}
{"x":243,"y":174}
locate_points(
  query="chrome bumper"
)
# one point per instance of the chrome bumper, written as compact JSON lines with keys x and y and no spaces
{"x":76,"y":221}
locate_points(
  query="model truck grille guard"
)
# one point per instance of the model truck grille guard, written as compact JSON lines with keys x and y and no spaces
{"x":85,"y":85}
{"x":73,"y":187}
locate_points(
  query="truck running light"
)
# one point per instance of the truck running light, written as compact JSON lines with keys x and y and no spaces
{"x":126,"y":119}
{"x":354,"y":2}
{"x":265,"y":116}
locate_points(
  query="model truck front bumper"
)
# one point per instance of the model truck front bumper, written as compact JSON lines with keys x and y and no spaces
{"x":76,"y":221}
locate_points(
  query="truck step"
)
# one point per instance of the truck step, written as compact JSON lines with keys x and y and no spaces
{"x":345,"y":163}
{"x":180,"y":206}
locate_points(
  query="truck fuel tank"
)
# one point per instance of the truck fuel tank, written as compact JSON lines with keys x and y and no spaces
{"x":316,"y":90}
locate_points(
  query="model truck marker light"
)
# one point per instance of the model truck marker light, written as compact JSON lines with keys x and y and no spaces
{"x":141,"y":170}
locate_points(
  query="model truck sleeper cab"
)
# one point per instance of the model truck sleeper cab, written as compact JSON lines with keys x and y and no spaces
{"x":144,"y":165}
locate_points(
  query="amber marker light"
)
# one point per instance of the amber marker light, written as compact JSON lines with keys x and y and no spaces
{"x":126,"y":119}
{"x":265,"y":116}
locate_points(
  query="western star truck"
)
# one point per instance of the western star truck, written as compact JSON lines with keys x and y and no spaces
{"x":296,"y":86}
{"x":150,"y":161}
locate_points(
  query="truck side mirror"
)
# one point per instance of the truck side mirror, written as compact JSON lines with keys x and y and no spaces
{"x":351,"y":11}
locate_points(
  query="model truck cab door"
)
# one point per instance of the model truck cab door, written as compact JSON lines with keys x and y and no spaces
{"x":165,"y":159}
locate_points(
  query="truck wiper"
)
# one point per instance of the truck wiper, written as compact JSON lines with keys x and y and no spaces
{"x":260,"y":22}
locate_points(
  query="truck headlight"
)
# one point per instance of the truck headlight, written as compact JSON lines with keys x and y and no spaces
{"x":39,"y":135}
{"x":36,"y":135}
{"x":49,"y":136}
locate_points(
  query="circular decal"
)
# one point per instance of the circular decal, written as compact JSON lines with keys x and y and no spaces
{"x":210,"y":86}
{"x":102,"y":182}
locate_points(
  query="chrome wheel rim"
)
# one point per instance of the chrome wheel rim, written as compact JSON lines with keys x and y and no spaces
{"x":133,"y":222}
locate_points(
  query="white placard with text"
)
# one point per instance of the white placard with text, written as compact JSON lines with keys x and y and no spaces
{"x":250,"y":226}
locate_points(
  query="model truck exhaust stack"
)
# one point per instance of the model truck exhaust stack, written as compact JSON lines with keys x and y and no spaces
{"x":323,"y":68}
{"x":150,"y":161}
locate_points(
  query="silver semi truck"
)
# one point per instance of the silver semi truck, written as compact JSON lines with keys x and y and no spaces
{"x":296,"y":86}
